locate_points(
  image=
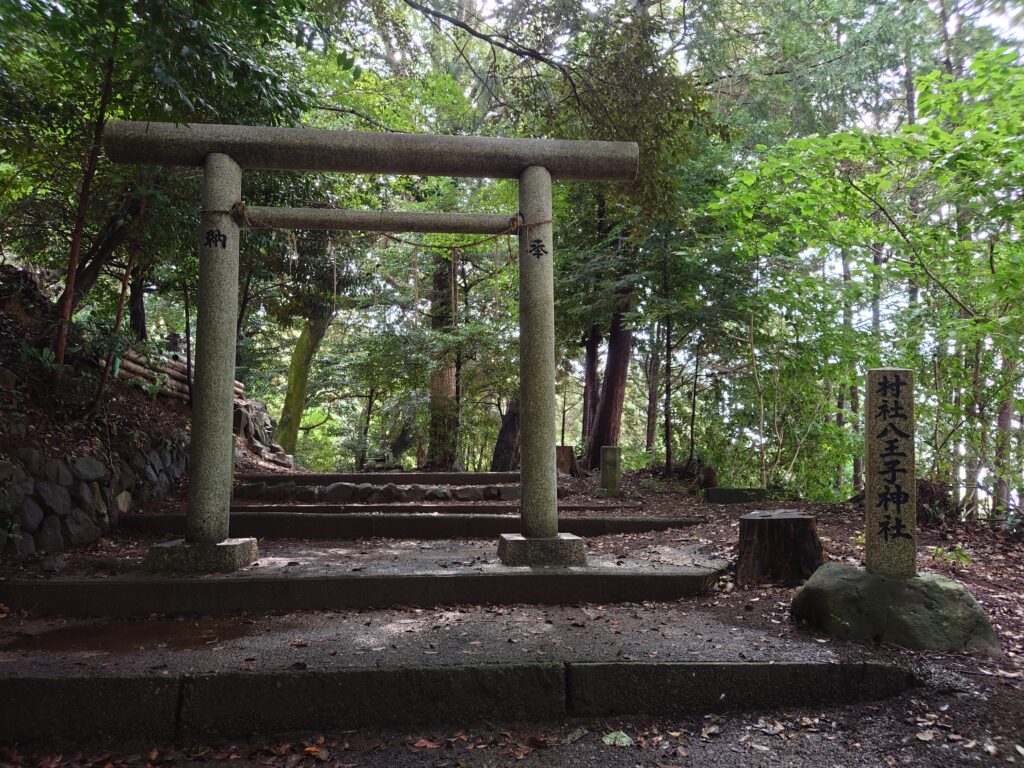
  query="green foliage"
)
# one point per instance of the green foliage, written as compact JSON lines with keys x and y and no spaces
{"x":787,"y":195}
{"x":44,"y":356}
{"x":934,"y":197}
{"x":151,"y":387}
{"x":617,"y":739}
{"x":952,"y":555}
{"x":9,"y":525}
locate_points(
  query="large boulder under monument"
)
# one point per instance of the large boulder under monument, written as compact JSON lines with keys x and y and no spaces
{"x":923,"y":612}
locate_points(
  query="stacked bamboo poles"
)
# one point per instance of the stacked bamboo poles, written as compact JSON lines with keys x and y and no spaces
{"x":172,"y":375}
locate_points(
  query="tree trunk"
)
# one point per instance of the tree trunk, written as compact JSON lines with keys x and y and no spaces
{"x":137,"y":305}
{"x":591,"y":383}
{"x":402,"y":442}
{"x":444,"y":412}
{"x":313,"y":331}
{"x":857,"y":478}
{"x":950,"y":58}
{"x":110,"y":237}
{"x":858,"y":457}
{"x":652,"y":374}
{"x":1020,"y":453}
{"x":108,"y":364}
{"x":565,"y":410}
{"x":1004,"y":428}
{"x":913,"y":288}
{"x":506,"y":447}
{"x":244,"y":298}
{"x":975,"y":437}
{"x":188,"y":340}
{"x":956,"y":461}
{"x":666,"y":295}
{"x":693,"y":404}
{"x":877,"y":253}
{"x":364,"y":431}
{"x":608,"y":417}
{"x":762,"y":458}
{"x":840,"y":423}
{"x":88,"y":172}
{"x":668,"y":397}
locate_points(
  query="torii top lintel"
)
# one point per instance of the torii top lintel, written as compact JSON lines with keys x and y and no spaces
{"x":314,"y":149}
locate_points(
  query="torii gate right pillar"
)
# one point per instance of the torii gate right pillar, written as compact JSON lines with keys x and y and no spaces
{"x":539,"y":542}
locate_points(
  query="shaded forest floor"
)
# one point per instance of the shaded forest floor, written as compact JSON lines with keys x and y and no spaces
{"x":971,"y":712}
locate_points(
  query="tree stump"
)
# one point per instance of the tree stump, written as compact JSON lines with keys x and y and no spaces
{"x":778,"y":546}
{"x":566,"y":459}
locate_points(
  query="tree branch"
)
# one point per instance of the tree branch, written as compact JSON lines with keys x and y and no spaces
{"x":308,"y":427}
{"x":361,"y":115}
{"x":503,"y":42}
{"x":913,"y":247}
{"x":775,"y":72}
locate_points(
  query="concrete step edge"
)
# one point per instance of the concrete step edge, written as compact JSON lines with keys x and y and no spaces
{"x":238,"y":704}
{"x":383,"y":478}
{"x":421,"y":525}
{"x":462,"y":507}
{"x":211,"y":595}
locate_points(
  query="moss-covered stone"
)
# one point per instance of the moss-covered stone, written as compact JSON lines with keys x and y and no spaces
{"x":923,"y":612}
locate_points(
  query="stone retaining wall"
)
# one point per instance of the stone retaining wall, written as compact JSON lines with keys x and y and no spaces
{"x":50,"y":505}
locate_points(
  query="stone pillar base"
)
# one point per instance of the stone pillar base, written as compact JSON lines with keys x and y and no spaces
{"x":181,"y":556}
{"x":564,"y":549}
{"x":608,"y":493}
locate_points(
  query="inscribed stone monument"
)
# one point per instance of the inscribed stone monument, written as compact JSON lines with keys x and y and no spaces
{"x":890,"y":492}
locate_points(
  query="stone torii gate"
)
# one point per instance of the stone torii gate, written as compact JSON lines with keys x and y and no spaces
{"x":224,"y":150}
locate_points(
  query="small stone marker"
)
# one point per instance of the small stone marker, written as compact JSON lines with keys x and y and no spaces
{"x":611,"y":465}
{"x":890,"y":492}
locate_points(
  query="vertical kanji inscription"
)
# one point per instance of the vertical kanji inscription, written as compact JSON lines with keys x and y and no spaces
{"x":890,"y":494}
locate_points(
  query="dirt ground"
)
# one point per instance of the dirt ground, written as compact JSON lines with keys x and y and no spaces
{"x":970,"y":713}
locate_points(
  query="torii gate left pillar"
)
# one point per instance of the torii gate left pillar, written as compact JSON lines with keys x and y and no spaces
{"x":207,"y":547}
{"x":224,"y":150}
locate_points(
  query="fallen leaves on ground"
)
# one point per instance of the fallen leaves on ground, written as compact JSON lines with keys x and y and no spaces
{"x":617,"y":739}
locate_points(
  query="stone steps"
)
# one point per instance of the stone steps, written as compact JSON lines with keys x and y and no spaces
{"x":345,"y":492}
{"x":464,"y":508}
{"x":295,"y":524}
{"x":382,"y":478}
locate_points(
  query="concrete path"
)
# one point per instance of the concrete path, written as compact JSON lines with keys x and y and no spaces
{"x":449,"y":636}
{"x":163,"y":678}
